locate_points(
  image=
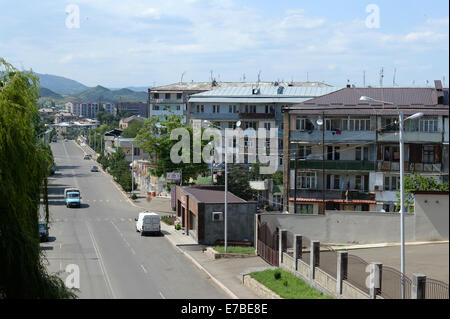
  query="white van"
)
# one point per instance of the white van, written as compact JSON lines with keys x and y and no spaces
{"x":148,"y":222}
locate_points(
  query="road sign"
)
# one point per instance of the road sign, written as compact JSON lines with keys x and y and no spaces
{"x":173,"y":177}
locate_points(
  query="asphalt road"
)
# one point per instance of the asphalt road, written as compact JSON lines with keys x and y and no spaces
{"x":100,"y":238}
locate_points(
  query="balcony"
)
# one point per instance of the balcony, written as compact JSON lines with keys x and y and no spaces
{"x":166,"y":101}
{"x":335,"y":165}
{"x":315,"y":136}
{"x":331,"y":194}
{"x":257,"y":115}
{"x":409,"y":167}
{"x":416,"y":137}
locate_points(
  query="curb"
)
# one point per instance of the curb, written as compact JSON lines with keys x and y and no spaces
{"x":385,"y":245}
{"x":199,"y":266}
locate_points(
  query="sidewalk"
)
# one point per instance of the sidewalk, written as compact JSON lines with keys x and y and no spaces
{"x":226,"y":273}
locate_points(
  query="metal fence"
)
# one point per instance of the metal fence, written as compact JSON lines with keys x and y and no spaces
{"x":391,"y":284}
{"x":328,"y":260}
{"x":436,"y":289}
{"x":268,"y":243}
{"x":357,"y":272}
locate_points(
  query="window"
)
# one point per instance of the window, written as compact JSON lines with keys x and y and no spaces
{"x":216,"y":108}
{"x":391,"y":183}
{"x":389,"y":123}
{"x":250,"y":108}
{"x":362,"y":153}
{"x":333,"y":153}
{"x":428,"y":124}
{"x":137,"y":151}
{"x":358,"y":182}
{"x":200,"y":109}
{"x":356,"y":124}
{"x":156,"y":95}
{"x":267,"y":126}
{"x":177,"y":107}
{"x":250,"y":125}
{"x":179,"y":96}
{"x":333,"y":182}
{"x":428,"y":154}
{"x":304,"y":152}
{"x":155,"y":107}
{"x":333,"y":124}
{"x":167,"y":96}
{"x":306,"y":180}
{"x":304,"y":209}
{"x":391,"y":153}
{"x":232,"y":109}
{"x":303,"y":124}
{"x":269,"y":109}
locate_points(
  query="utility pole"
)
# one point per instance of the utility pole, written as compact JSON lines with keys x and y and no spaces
{"x":132,"y":168}
{"x":402,"y":204}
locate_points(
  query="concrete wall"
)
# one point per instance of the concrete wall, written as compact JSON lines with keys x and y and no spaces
{"x":240,"y":221}
{"x":430,"y":222}
{"x":431,"y":214}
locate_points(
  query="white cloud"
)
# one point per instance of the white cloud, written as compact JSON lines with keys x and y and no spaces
{"x":66,"y":58}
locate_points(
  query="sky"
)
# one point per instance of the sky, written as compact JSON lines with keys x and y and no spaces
{"x":150,"y":43}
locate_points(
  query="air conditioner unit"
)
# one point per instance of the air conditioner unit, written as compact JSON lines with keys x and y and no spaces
{"x":377,"y":187}
{"x":217,"y":216}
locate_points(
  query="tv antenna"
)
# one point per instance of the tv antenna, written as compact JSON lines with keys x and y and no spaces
{"x":259,"y":76}
{"x":364,"y":78}
{"x":393,"y":80}
{"x":182,"y":75}
{"x":381,"y":76}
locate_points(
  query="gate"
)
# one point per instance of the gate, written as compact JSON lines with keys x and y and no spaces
{"x":268,"y":243}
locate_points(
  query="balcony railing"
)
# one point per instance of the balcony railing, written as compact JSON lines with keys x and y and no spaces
{"x":173,"y":101}
{"x":331,"y":194}
{"x":409,"y":167}
{"x":335,"y":165}
{"x":257,"y":115}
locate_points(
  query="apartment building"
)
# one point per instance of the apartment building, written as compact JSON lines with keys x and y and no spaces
{"x":342,"y":153}
{"x":256,"y":107}
{"x":173,"y":98}
{"x":89,"y":109}
{"x":136,"y":108}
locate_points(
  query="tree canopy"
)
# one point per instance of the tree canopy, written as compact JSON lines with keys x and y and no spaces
{"x":24,"y":167}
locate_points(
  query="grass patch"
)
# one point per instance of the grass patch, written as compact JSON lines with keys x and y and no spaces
{"x":236,"y":250}
{"x":287,"y":285}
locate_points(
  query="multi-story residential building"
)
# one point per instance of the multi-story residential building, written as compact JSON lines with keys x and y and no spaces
{"x":125,"y":122}
{"x":342,"y":153}
{"x":173,"y":98}
{"x":136,"y":108}
{"x":89,"y":109}
{"x":256,"y":107}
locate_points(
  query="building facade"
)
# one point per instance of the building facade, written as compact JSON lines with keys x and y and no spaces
{"x":343,"y":153}
{"x":89,"y":109}
{"x":255,"y":107}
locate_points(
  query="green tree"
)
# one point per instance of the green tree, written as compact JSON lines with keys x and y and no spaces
{"x":154,"y":138}
{"x":23,"y":172}
{"x":238,"y":183}
{"x":133,"y":129}
{"x":418,"y":182}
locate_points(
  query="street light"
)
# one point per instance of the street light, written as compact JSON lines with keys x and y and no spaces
{"x":402,"y":184}
{"x":320,"y":122}
{"x":238,"y":124}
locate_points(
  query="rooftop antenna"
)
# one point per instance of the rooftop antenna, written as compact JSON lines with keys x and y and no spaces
{"x":414,"y":82}
{"x":259,"y":76}
{"x":364,"y":78}
{"x":381,"y":76}
{"x":427,"y":83}
{"x":211,"y":76}
{"x":393,"y":80}
{"x":443,"y":81}
{"x":243,"y":77}
{"x":182,"y":75}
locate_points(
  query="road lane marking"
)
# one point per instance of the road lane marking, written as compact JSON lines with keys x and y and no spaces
{"x":143,"y":268}
{"x":162,"y":296}
{"x":100,"y":260}
{"x":132,"y":250}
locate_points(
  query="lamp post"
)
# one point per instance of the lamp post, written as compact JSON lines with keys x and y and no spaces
{"x":238,"y":124}
{"x":402,"y":184}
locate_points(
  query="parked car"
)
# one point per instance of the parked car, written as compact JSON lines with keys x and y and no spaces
{"x":87,"y":157}
{"x":148,"y":222}
{"x":94,"y":169}
{"x":52,"y":169}
{"x":72,"y":197}
{"x":43,"y":231}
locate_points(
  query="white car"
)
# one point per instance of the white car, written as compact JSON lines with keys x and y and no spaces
{"x":148,"y":222}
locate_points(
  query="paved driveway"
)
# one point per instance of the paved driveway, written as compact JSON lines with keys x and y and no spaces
{"x":429,"y":259}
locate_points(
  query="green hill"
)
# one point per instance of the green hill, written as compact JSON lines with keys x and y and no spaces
{"x":60,"y":85}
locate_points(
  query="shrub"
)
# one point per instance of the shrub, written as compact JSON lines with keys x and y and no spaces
{"x":133,"y":196}
{"x":277,"y":274}
{"x":177,"y":227}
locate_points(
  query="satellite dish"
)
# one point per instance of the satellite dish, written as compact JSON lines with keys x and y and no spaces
{"x":238,"y":124}
{"x":319,"y":122}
